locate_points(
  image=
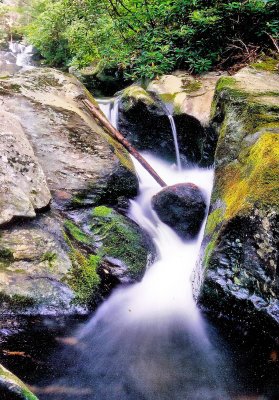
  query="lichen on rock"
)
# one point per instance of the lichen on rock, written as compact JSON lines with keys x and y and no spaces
{"x":238,"y":260}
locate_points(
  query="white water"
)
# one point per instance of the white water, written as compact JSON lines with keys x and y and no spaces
{"x":23,"y":54}
{"x":175,"y":141}
{"x":109,"y":107}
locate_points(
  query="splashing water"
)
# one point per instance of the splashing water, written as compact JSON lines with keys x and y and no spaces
{"x":23,"y":53}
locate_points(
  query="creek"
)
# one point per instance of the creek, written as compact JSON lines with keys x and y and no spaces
{"x":149,"y":340}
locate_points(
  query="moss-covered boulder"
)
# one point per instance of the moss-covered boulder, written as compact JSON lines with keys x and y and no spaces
{"x":12,"y":388}
{"x":238,"y":267}
{"x":122,"y":244}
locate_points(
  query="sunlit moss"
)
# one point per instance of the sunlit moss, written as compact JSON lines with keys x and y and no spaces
{"x":267,"y":64}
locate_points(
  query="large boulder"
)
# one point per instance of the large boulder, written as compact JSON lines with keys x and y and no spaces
{"x":182,"y":207}
{"x":237,"y":276}
{"x":144,"y":118}
{"x":51,"y":146}
{"x":81,"y":162}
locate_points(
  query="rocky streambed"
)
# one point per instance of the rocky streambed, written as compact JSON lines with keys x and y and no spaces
{"x":66,"y":240}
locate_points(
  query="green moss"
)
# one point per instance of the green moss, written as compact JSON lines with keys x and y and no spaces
{"x":209,"y":249}
{"x":214,"y":219}
{"x":224,"y":82}
{"x":6,"y":254}
{"x":84,"y":279}
{"x":11,"y":378}
{"x":192,"y":86}
{"x":120,"y":239}
{"x":133,"y":94}
{"x":101,"y":211}
{"x":50,"y":257}
{"x":167,"y":97}
{"x":252,"y":180}
{"x":76,"y":233}
{"x":266,"y":64}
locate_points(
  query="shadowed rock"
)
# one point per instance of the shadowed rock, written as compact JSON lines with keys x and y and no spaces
{"x":182,"y":207}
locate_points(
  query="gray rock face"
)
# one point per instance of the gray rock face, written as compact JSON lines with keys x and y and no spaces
{"x":23,"y":187}
{"x":81,"y":162}
{"x":182,"y":207}
{"x":35,"y":266}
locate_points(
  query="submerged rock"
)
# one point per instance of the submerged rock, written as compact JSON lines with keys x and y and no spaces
{"x":238,"y":272}
{"x":12,"y":388}
{"x":182,"y":207}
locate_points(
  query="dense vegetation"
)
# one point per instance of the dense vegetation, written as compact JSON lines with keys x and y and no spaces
{"x":145,"y":38}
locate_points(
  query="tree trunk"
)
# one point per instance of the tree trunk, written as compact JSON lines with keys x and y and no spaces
{"x":115,"y":134}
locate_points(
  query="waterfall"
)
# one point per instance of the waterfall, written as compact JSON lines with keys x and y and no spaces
{"x":175,"y":140}
{"x":148,"y":341}
{"x":23,"y":53}
{"x":110,"y":107}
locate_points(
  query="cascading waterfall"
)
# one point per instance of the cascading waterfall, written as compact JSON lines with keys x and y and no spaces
{"x":23,"y":54}
{"x":148,"y":340}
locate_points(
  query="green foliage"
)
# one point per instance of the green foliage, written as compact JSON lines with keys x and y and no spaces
{"x":146,"y":38}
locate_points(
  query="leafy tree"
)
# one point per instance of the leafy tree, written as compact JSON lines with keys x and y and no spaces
{"x":145,"y":38}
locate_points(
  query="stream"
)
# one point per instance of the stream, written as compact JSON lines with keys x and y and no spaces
{"x":149,"y":340}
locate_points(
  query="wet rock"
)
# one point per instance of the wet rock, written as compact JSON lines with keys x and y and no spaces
{"x":36,"y":270}
{"x":237,"y":275}
{"x":82,"y":164}
{"x":182,"y":207}
{"x":144,"y":120}
{"x":12,"y":388}
{"x":23,"y":186}
{"x":128,"y":261}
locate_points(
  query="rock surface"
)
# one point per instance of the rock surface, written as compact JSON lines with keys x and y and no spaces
{"x":23,"y":187}
{"x":12,"y":388}
{"x":51,"y":144}
{"x":182,"y":207}
{"x":238,"y":272}
{"x":144,"y":120}
{"x":81,"y":162}
{"x":186,"y":94}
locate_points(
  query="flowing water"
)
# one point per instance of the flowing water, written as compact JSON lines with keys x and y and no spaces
{"x":148,"y":340}
{"x":23,"y":54}
{"x":175,"y":141}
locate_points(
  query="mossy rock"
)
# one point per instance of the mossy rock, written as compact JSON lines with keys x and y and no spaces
{"x":121,"y":239}
{"x":239,"y":250}
{"x":12,"y":388}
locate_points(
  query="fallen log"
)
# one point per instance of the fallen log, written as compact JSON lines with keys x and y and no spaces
{"x":115,"y":134}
